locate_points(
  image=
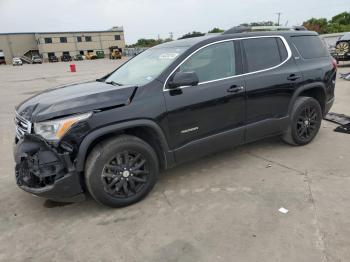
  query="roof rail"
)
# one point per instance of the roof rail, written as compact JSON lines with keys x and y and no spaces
{"x":243,"y":29}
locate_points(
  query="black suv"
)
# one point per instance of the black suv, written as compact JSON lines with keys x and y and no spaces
{"x":53,"y":59}
{"x":172,"y":103}
{"x":66,"y":58}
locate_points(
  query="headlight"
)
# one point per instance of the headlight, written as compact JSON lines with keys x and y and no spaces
{"x":54,"y":130}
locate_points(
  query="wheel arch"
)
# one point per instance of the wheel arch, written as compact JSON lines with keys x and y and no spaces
{"x":314,"y":90}
{"x":145,"y":129}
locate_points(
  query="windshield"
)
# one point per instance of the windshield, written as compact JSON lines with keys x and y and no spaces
{"x":145,"y":67}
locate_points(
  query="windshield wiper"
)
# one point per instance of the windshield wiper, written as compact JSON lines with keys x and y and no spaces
{"x":113,"y":83}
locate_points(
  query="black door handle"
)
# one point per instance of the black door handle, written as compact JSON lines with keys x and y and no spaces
{"x":235,"y":89}
{"x":293,"y":77}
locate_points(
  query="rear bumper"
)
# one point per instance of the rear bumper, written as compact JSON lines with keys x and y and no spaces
{"x":41,"y":171}
{"x":344,"y":57}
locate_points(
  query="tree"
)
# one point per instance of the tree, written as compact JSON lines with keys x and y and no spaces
{"x":143,"y":42}
{"x":341,"y":19}
{"x":263,"y":23}
{"x":216,"y":30}
{"x":317,"y":24}
{"x":338,"y":23}
{"x":193,"y":34}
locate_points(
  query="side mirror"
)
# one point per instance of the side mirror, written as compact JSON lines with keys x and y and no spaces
{"x":184,"y":79}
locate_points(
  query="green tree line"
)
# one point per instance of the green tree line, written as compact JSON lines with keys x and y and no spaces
{"x":338,"y":23}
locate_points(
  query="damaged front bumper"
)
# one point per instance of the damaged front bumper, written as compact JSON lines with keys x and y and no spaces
{"x":43,"y":171}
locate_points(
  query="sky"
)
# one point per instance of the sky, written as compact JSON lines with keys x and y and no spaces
{"x":153,"y":18}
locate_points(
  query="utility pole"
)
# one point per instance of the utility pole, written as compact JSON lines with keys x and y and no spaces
{"x":171,"y":34}
{"x":279,"y":17}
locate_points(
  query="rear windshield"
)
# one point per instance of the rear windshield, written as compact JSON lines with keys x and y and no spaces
{"x":310,"y":46}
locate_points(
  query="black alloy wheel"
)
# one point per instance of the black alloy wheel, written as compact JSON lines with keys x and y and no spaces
{"x":121,"y":171}
{"x":125,"y":175}
{"x":307,"y":122}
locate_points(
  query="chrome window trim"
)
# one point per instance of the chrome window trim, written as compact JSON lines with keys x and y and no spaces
{"x":289,"y":52}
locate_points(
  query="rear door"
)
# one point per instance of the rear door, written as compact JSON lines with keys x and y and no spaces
{"x":315,"y":62}
{"x":211,"y":115}
{"x":271,"y":78}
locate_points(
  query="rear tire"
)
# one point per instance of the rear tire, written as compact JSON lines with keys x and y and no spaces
{"x":121,"y":171}
{"x":305,"y":121}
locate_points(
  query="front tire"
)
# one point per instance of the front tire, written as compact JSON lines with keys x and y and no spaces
{"x":121,"y":171}
{"x":305,"y":121}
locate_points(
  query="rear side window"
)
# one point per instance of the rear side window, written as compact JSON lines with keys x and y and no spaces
{"x":263,"y":53}
{"x":310,"y":46}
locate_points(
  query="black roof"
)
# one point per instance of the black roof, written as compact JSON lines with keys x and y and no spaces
{"x":213,"y":38}
{"x":185,"y":42}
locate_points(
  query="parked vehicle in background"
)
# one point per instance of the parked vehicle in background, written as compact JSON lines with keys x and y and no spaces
{"x":16,"y":61}
{"x":2,"y":58}
{"x":36,"y":59}
{"x":66,"y":58}
{"x":115,"y":52}
{"x":78,"y":57}
{"x":53,"y":59}
{"x":90,"y":55}
{"x":172,"y":103}
{"x":342,"y":48}
{"x":100,"y":54}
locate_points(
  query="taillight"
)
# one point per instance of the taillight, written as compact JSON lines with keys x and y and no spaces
{"x":334,"y":63}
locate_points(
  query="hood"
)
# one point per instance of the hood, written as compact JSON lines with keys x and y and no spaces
{"x":73,"y":99}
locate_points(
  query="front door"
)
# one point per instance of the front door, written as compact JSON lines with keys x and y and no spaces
{"x":211,"y":115}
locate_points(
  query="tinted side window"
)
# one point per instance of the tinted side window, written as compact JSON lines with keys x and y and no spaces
{"x":310,"y":46}
{"x":212,"y":62}
{"x":262,"y":53}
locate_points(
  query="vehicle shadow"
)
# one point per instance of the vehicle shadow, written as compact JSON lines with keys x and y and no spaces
{"x":178,"y":174}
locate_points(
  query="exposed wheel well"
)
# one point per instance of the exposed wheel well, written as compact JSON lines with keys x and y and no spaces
{"x":143,"y":132}
{"x":316,"y":93}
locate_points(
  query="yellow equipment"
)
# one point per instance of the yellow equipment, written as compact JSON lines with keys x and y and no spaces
{"x":115,"y":52}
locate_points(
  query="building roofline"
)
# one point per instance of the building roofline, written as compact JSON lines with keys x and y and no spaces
{"x":19,"y":33}
{"x":119,"y":29}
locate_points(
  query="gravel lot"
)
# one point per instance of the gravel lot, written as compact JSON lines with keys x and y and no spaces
{"x":220,"y":208}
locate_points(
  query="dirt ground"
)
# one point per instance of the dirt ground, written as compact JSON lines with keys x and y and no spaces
{"x":221,"y":208}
